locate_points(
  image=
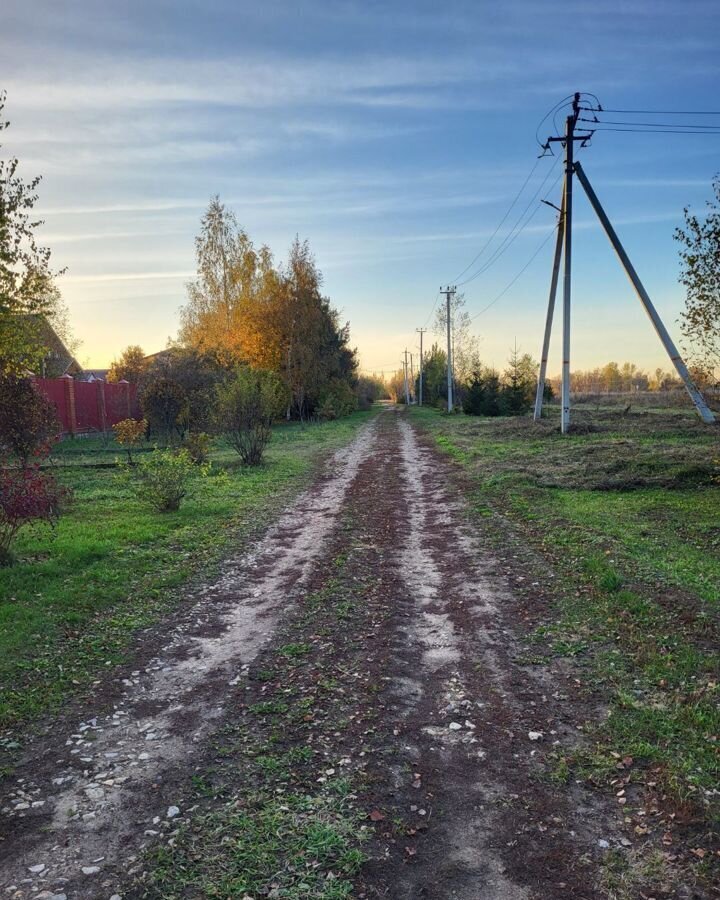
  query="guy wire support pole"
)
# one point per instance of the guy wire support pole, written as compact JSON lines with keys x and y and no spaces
{"x":697,"y":398}
{"x":407,"y":391}
{"x":540,"y":395}
{"x":420,"y":381}
{"x":449,"y":292}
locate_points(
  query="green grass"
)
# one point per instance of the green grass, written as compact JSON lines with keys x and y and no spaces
{"x":76,"y":596}
{"x":629,"y":516}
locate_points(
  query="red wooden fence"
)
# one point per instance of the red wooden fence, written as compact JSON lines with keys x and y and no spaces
{"x":88,"y":406}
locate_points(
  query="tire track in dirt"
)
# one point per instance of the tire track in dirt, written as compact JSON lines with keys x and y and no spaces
{"x":88,"y":796}
{"x":482,"y":823}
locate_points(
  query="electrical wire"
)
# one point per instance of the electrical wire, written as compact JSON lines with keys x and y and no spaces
{"x":517,"y":228}
{"x":502,"y":221}
{"x":437,"y":296}
{"x":517,"y":276}
{"x":664,"y":112}
{"x":651,"y":130}
{"x":651,"y":124}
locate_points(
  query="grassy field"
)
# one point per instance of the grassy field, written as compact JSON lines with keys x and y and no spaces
{"x":627,"y":512}
{"x":76,"y":597}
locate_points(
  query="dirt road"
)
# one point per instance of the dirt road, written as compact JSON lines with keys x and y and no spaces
{"x":441,"y":730}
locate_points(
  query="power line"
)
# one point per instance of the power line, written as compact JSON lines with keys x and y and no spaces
{"x":501,"y":223}
{"x":650,"y":130}
{"x":515,"y":231}
{"x":649,"y":124}
{"x":664,"y":112}
{"x":517,"y":276}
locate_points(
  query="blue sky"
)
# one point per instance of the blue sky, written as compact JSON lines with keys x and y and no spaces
{"x":392,"y":135}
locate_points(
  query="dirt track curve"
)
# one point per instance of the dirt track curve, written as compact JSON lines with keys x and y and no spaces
{"x":461,"y":726}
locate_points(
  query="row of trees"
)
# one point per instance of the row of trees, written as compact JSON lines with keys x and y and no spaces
{"x":242,"y":310}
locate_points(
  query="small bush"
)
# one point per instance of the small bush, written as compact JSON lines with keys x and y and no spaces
{"x":338,"y":400}
{"x":246,"y":407}
{"x":129,"y":433}
{"x":27,"y":497}
{"x":197,"y":444}
{"x":28,"y":421}
{"x":165,"y":404}
{"x":161,"y":478}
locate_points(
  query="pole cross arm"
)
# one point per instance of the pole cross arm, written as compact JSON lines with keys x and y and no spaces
{"x":697,"y":398}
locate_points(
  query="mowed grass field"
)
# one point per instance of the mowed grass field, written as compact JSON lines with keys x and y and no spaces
{"x":625,"y":513}
{"x":78,"y":594}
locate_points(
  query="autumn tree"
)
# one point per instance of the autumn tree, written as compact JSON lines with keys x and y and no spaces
{"x":26,"y":280}
{"x":700,"y":273}
{"x":130,"y":366}
{"x":229,"y":272}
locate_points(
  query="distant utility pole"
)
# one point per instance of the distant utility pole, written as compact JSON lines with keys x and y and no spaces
{"x":407,"y":391}
{"x":449,"y":294}
{"x":412,"y":378}
{"x":421,"y":331}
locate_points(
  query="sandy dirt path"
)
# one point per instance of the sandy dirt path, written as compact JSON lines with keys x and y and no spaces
{"x":448,"y":731}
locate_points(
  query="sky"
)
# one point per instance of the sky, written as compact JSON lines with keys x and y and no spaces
{"x":392,"y":135}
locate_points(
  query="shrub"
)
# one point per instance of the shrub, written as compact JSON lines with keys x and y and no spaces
{"x":338,"y":400}
{"x":165,"y":405}
{"x":482,"y":397}
{"x":129,"y":433}
{"x":161,"y":478}
{"x":27,"y":497}
{"x":197,"y":444}
{"x":246,"y":407}
{"x":28,"y":421}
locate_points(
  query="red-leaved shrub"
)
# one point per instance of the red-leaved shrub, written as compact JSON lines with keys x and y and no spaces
{"x":28,"y":497}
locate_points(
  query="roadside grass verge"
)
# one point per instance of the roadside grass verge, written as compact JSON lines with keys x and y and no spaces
{"x":632,"y":538}
{"x":71,"y":605}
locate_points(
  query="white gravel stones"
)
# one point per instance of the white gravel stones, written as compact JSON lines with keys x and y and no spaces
{"x":535,"y":735}
{"x":90,"y":870}
{"x":173,"y":811}
{"x":36,"y":870}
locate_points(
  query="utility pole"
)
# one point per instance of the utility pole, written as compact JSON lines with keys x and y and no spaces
{"x":569,"y":135}
{"x":540,"y":393}
{"x":420,"y":380}
{"x":568,"y":141}
{"x":449,"y":294}
{"x":412,"y":379}
{"x":407,"y":392}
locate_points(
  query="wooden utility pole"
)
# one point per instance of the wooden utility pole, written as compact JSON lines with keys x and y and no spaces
{"x":421,"y":332}
{"x":449,"y":294}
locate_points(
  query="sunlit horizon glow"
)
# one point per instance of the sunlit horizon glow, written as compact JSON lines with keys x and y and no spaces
{"x":391,"y":136}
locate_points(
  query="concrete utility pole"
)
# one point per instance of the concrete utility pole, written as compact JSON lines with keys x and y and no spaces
{"x":568,"y":142}
{"x":421,"y":331}
{"x":412,"y":379}
{"x":407,"y":392}
{"x":540,"y":394}
{"x":449,"y":294}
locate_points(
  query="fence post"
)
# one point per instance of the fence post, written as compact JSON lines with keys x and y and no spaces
{"x":126,"y":390}
{"x":70,"y":403}
{"x":102,"y":414}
